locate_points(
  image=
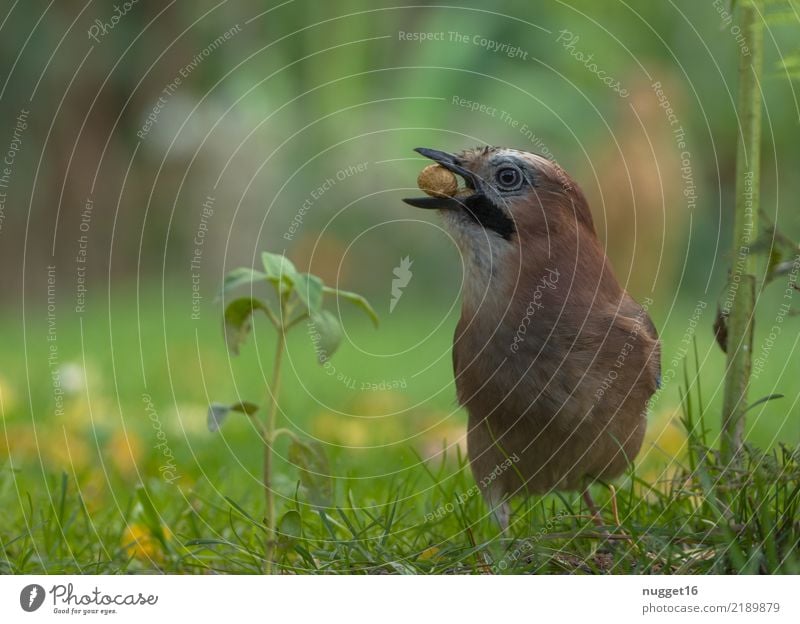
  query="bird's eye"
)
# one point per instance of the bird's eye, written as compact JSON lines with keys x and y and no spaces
{"x":509,"y":178}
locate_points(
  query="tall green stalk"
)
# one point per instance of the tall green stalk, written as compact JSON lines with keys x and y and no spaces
{"x":269,"y":438}
{"x":742,"y":284}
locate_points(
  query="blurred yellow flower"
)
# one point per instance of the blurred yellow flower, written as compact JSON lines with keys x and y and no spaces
{"x":665,"y":438}
{"x":440,"y":431}
{"x":124,"y":451}
{"x":378,"y":403}
{"x":8,"y":398}
{"x":663,"y":449}
{"x":18,"y":442}
{"x":94,"y":489}
{"x":140,"y":543}
{"x":63,"y":449}
{"x":428,"y":553}
{"x":79,"y":412}
{"x":340,"y":429}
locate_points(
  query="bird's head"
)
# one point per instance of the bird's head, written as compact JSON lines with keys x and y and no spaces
{"x":509,"y":195}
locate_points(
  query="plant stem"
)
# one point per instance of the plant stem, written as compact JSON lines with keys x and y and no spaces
{"x":742,"y":281}
{"x":269,"y":494}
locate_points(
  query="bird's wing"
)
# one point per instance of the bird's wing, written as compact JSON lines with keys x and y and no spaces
{"x":635,"y":320}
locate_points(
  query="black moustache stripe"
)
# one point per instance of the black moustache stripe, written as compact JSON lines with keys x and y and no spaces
{"x":481,"y":210}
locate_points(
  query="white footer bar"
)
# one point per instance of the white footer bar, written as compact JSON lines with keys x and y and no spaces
{"x":384,"y":599}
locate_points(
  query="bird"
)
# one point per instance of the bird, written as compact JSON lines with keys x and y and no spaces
{"x":553,"y":360}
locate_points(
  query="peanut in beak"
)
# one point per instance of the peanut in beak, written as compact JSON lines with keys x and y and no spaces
{"x":436,"y":181}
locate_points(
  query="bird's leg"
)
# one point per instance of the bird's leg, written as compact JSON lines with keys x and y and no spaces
{"x":598,"y":519}
{"x":498,"y":504}
{"x":502,"y":513}
{"x":595,"y":511}
{"x":602,"y":549}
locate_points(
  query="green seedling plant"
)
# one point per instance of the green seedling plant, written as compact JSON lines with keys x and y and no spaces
{"x":300,"y":298}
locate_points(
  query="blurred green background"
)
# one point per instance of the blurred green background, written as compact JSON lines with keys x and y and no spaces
{"x":265,"y":114}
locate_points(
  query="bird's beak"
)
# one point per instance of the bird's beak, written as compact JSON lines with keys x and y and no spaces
{"x":452,"y":163}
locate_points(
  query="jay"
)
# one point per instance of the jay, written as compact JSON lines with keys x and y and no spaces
{"x":553,"y":360}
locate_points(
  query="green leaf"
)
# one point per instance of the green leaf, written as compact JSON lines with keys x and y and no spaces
{"x":291,"y":525}
{"x":769,"y":397}
{"x":151,"y":517}
{"x":289,"y":531}
{"x":241,"y":276}
{"x":238,"y":321}
{"x":309,"y":290}
{"x":312,"y":464}
{"x":327,"y":335}
{"x":781,"y":251}
{"x":307,"y":558}
{"x":241,"y":511}
{"x":244,"y":407}
{"x":355,"y":299}
{"x":279,"y":269}
{"x":218,"y":413}
{"x":207,"y":541}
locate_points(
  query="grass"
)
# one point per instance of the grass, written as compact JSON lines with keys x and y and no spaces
{"x":83,"y":492}
{"x":698,"y":523}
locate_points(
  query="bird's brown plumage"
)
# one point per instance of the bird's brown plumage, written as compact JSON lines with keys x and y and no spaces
{"x":553,"y":360}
